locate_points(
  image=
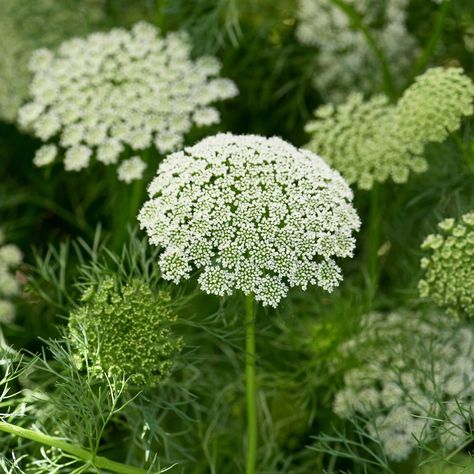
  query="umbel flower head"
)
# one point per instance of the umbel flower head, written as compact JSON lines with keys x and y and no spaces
{"x":448,"y":267}
{"x":372,"y":140}
{"x":108,"y":93}
{"x":345,"y":59}
{"x":26,"y":26}
{"x":412,"y":380}
{"x":10,"y":258}
{"x":432,"y":107}
{"x":125,"y":331}
{"x":251,"y":213}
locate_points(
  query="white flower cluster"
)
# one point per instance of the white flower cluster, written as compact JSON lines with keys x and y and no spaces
{"x":254,"y":214}
{"x":373,"y":140}
{"x":414,"y":381}
{"x":345,"y":58}
{"x":111,"y":92}
{"x":10,"y":258}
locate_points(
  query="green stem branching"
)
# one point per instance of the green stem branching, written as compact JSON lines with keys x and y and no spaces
{"x":81,"y":454}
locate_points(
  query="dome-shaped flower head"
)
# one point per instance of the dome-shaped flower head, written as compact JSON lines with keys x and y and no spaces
{"x":345,"y":59}
{"x":112,"y":95}
{"x":359,"y":138}
{"x":125,"y":331}
{"x":251,"y":213}
{"x":433,"y":107}
{"x":372,"y":140}
{"x":411,"y":380}
{"x":448,"y":267}
{"x":10,"y":258}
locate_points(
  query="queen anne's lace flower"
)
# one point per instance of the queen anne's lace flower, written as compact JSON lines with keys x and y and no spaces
{"x":252,"y":213}
{"x":449,"y":266}
{"x":373,"y":140}
{"x":412,"y":380}
{"x":345,"y":58}
{"x":109,"y":92}
{"x":124,"y":330}
{"x":432,"y":107}
{"x":10,"y":259}
{"x":26,"y":25}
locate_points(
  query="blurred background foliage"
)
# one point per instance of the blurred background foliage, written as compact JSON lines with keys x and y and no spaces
{"x":42,"y":211}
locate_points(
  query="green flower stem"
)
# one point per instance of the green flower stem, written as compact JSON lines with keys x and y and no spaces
{"x":250,"y":386}
{"x":80,"y":453}
{"x":358,"y":24}
{"x":126,"y":211}
{"x":374,"y":240}
{"x":430,"y":45}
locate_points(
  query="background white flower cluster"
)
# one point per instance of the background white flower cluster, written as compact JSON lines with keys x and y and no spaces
{"x":373,"y":140}
{"x":346,"y":61}
{"x":413,"y":380}
{"x":10,"y":258}
{"x":255,"y":214}
{"x":113,"y":94}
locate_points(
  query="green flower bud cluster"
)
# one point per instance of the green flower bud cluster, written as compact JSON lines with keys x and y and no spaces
{"x":433,"y":106}
{"x":372,"y":140}
{"x":412,"y":380}
{"x":125,"y":330}
{"x":26,"y":26}
{"x":10,"y":259}
{"x":448,"y":278}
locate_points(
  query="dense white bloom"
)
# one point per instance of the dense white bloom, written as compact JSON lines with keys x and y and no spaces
{"x":413,"y":380}
{"x":132,"y":169}
{"x":110,"y":92}
{"x":345,"y":58}
{"x":10,"y":258}
{"x":253,"y":213}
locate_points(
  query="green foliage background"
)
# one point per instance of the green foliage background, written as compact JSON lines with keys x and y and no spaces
{"x":195,"y":418}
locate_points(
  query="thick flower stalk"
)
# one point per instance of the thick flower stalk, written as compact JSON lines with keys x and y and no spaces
{"x":10,"y":258}
{"x":125,"y":331}
{"x":24,"y":27}
{"x":448,"y":267}
{"x":412,"y":380}
{"x":371,"y":141}
{"x":345,"y":58}
{"x":252,"y":214}
{"x":109,"y":93}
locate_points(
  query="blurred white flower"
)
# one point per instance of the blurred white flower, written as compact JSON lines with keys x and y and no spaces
{"x":414,"y":380}
{"x":345,"y":59}
{"x":111,"y":92}
{"x":131,"y":169}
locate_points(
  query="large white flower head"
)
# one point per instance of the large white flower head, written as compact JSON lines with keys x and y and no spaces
{"x":448,"y":266}
{"x":372,"y":140}
{"x":345,"y":58}
{"x":10,"y":258}
{"x":253,"y":214}
{"x":109,"y":93}
{"x":412,"y":381}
